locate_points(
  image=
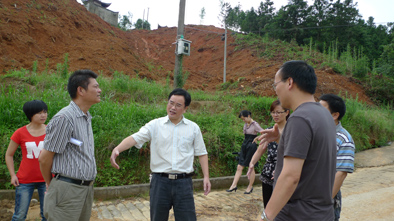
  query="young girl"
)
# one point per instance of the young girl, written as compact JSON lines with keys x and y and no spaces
{"x":251,"y":128}
{"x":31,"y":140}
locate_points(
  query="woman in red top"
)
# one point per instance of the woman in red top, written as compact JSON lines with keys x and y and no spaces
{"x":31,"y":140}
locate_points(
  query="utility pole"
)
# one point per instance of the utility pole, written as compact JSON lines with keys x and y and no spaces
{"x":143,"y":18}
{"x":180,"y":33}
{"x":225,"y":53}
{"x":147,"y":17}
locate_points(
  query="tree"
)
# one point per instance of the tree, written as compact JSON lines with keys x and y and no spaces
{"x":297,"y":13}
{"x":202,"y":15}
{"x":318,"y":19}
{"x":231,"y":17}
{"x":344,"y":18}
{"x":386,"y":61}
{"x":265,"y":14}
{"x":326,"y":24}
{"x":142,"y":24}
{"x":224,"y":11}
{"x":125,"y":22}
{"x":290,"y":21}
{"x":374,"y":38}
{"x":390,"y":27}
{"x":250,"y":22}
{"x":235,"y":17}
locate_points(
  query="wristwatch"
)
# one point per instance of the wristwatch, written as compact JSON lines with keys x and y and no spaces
{"x":264,"y":216}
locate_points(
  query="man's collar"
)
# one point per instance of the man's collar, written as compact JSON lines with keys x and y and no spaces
{"x":167,"y":120}
{"x":338,"y":126}
{"x":79,"y":111}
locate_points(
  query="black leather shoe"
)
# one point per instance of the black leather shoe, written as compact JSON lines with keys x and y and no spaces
{"x":249,"y":191}
{"x":233,"y":189}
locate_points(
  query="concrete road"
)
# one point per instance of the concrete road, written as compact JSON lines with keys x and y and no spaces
{"x":368,"y":194}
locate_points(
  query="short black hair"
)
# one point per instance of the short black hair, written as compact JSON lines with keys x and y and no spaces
{"x":277,"y":103}
{"x":302,"y":74}
{"x":33,"y":107}
{"x":245,"y":113}
{"x":80,"y":78}
{"x":335,"y":104}
{"x":182,"y":92}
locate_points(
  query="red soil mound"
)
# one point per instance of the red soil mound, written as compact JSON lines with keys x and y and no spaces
{"x":46,"y":30}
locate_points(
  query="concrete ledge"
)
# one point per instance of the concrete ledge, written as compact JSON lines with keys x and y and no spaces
{"x":10,"y":194}
{"x":113,"y":192}
{"x":104,"y":193}
{"x":375,"y":157}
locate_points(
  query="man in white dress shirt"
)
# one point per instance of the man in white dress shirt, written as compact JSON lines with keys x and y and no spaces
{"x":175,"y":141}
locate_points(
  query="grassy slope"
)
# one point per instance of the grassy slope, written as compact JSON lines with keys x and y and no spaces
{"x":129,"y":103}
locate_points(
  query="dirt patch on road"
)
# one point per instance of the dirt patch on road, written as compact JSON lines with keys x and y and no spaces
{"x":5,"y":209}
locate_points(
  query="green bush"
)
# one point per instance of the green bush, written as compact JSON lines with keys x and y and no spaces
{"x":369,"y":126}
{"x":380,"y":88}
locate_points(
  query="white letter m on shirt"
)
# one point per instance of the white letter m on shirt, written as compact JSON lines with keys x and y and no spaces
{"x":31,"y":148}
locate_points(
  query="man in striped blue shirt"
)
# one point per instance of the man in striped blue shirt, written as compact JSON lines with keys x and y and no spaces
{"x":69,"y":153}
{"x":345,"y":147}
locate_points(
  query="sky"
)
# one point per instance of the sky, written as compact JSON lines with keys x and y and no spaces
{"x":166,"y":12}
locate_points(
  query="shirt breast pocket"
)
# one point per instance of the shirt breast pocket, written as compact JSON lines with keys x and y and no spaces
{"x":186,"y":144}
{"x":73,"y":146}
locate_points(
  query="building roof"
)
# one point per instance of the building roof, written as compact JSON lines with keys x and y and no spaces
{"x":102,"y":4}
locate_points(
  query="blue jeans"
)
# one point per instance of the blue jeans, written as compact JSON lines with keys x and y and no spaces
{"x":166,"y":193}
{"x":23,"y":194}
{"x":337,"y":205}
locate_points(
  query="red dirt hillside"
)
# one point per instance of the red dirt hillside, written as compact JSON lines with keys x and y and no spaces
{"x":47,"y":29}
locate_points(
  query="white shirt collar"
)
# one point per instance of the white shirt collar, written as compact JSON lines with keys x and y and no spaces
{"x":167,"y":120}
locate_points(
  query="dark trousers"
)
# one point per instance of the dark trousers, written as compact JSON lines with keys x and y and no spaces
{"x":166,"y":193}
{"x":267,"y":192}
{"x":337,"y":205}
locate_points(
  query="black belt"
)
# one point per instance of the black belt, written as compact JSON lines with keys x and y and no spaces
{"x":175,"y":176}
{"x":74,"y":181}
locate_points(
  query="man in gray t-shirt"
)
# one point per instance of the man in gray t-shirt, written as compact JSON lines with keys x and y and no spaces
{"x":309,"y":135}
{"x":305,"y":170}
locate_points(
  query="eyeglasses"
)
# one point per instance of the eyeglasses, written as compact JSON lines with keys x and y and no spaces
{"x":276,"y":83}
{"x":176,"y":105}
{"x":278,"y":112}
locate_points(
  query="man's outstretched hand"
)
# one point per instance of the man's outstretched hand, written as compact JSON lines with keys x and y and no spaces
{"x":268,"y":135}
{"x":114,"y":155}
